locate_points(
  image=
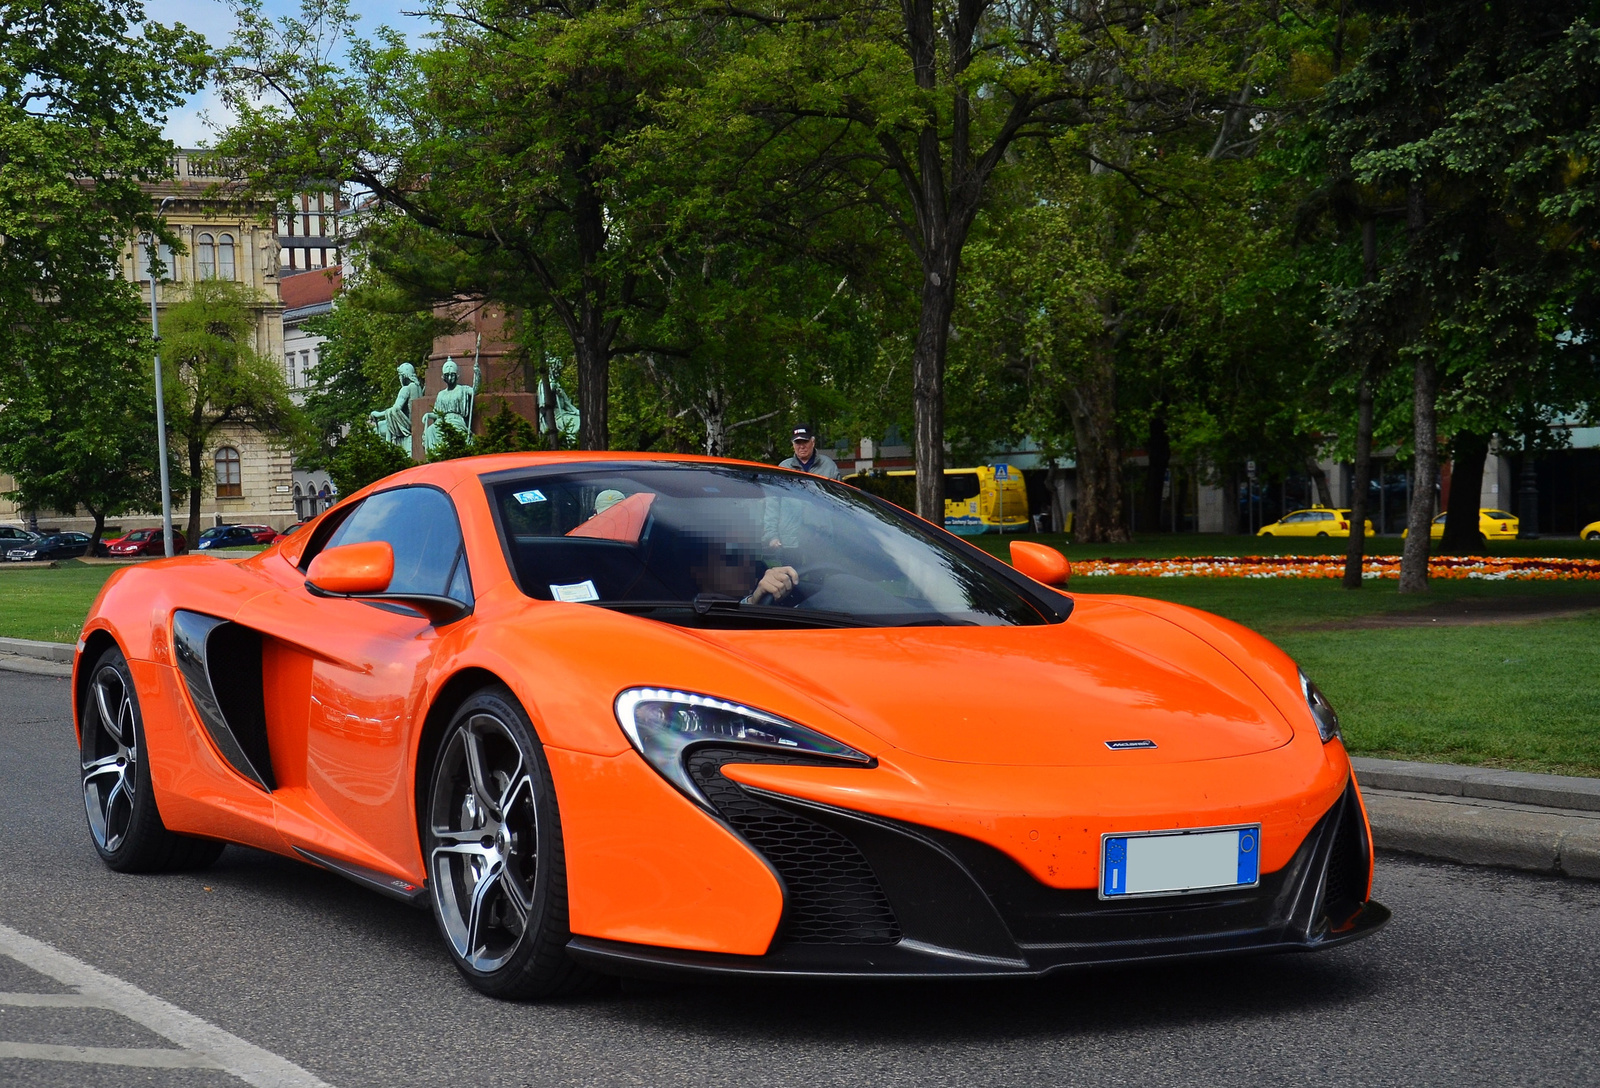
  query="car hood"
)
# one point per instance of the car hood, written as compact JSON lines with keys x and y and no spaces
{"x":1041,"y":696}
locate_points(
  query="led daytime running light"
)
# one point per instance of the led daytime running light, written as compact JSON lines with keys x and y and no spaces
{"x":662,"y":725}
{"x":1321,"y":710}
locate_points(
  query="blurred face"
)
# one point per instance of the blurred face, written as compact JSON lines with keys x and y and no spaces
{"x":804,"y":448}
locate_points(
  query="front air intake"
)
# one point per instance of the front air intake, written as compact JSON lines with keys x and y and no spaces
{"x":833,"y":896}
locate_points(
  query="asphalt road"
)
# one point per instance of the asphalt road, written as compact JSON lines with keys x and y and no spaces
{"x":1483,"y":977}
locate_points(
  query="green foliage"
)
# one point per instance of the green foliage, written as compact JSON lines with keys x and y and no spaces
{"x":83,"y":96}
{"x":78,"y":426}
{"x":374,"y":326}
{"x":214,"y":378}
{"x":452,"y":443}
{"x":363,"y":458}
{"x":507,"y":432}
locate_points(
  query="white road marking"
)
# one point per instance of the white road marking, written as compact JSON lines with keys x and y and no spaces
{"x":143,"y":1056}
{"x":202,"y":1039}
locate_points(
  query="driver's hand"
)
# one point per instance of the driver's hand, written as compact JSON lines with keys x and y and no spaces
{"x":775,"y":585}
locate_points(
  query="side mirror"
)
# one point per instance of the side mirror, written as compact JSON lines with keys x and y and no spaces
{"x":363,"y":572}
{"x":352,"y":568}
{"x":1040,"y":562}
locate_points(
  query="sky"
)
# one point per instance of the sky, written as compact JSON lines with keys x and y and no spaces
{"x":187,"y":126}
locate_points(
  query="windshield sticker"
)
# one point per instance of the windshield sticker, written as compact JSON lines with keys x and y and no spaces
{"x":576,"y":593}
{"x":525,"y":497}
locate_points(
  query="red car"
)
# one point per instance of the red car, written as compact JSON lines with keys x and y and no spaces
{"x":146,"y":542}
{"x":284,"y":534}
{"x":264,"y":534}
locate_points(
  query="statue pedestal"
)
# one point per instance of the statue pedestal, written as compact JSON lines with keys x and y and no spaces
{"x":484,"y":336}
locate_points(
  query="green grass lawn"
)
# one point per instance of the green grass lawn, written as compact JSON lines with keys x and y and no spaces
{"x":1524,"y":695}
{"x":49,"y":605}
{"x":1518,"y":694}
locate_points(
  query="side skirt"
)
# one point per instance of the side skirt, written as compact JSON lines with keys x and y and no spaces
{"x":392,"y":886}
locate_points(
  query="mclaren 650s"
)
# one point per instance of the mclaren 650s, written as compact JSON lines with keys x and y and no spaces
{"x":629,"y":714}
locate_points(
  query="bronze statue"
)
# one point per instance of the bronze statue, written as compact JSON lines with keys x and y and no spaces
{"x":452,"y":407}
{"x":394,"y":422}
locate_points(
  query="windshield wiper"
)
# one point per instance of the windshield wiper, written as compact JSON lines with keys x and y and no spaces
{"x":705,"y":607}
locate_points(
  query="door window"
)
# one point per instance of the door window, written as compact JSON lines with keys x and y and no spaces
{"x":420,"y":524}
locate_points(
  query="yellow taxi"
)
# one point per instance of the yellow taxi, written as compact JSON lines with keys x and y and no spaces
{"x":1591,"y":532}
{"x":1493,"y":524}
{"x":1318,"y":521}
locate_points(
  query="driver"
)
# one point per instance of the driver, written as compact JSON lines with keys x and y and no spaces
{"x":776,"y":584}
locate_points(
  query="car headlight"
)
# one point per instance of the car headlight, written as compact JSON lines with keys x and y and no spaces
{"x":664,"y":725}
{"x":1321,"y":710}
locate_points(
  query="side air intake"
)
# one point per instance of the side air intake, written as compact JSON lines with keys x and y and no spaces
{"x":221,"y":666}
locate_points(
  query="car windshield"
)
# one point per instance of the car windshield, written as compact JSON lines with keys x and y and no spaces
{"x":698,"y":544}
{"x":213,"y":533}
{"x":1500,"y":515}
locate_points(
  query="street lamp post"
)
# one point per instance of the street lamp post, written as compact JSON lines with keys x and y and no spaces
{"x":161,"y":402}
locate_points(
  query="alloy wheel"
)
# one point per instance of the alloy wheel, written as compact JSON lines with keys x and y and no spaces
{"x":110,"y":759}
{"x":484,"y":842}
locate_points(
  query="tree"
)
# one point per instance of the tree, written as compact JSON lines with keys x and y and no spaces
{"x":364,"y":458}
{"x":82,"y":103}
{"x":491,"y":156}
{"x":218,"y":379}
{"x":1469,"y":122}
{"x":373,"y":327}
{"x":917,"y":106}
{"x":77,"y":427}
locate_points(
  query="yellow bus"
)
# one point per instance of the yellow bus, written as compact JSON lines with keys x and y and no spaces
{"x":986,"y":499}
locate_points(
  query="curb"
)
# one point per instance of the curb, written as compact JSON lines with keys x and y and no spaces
{"x":1486,"y":783}
{"x":43,"y":651}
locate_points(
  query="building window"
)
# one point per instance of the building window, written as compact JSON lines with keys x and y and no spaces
{"x":305,"y":365}
{"x":288,"y":367}
{"x":205,"y":249}
{"x":229,"y":485}
{"x":225,"y":258}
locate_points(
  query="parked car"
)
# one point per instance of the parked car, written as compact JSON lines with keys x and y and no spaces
{"x":12,"y":537}
{"x":264,"y":534}
{"x":1318,"y":521}
{"x":226,"y":536}
{"x":146,"y":542}
{"x":54,"y":546}
{"x":1591,"y":532}
{"x":1492,"y":525}
{"x":284,"y":534}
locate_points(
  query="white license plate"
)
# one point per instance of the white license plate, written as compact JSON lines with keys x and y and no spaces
{"x":1177,"y":862}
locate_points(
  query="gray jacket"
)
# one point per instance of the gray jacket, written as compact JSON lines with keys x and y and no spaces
{"x":821,"y":465}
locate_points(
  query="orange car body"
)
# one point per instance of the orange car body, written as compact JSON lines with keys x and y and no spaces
{"x":1019,"y":765}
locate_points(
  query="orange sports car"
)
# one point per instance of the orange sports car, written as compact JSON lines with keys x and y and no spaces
{"x":622,"y":713}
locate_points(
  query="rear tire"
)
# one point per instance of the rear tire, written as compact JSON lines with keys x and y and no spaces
{"x":1593,"y":537}
{"x":491,"y":836}
{"x":118,"y":799}
{"x":1322,"y":535}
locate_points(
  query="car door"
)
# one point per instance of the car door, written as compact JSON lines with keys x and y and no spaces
{"x":344,"y":682}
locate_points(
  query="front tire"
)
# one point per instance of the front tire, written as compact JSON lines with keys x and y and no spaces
{"x":496,"y":868}
{"x":124,"y":823}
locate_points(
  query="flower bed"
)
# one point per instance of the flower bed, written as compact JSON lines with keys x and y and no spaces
{"x":1332,"y":566}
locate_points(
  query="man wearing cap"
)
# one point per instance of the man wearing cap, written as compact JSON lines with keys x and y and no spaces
{"x":806,"y":458}
{"x":781,"y":521}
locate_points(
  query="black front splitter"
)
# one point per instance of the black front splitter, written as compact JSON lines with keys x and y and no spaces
{"x":913,"y":960}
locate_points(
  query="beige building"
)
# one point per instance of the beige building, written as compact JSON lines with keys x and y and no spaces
{"x":248,"y":475}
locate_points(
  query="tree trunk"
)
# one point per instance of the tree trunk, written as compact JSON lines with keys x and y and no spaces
{"x":927,"y":380}
{"x":99,"y":530}
{"x":196,"y":450}
{"x":1092,"y":404}
{"x":1360,"y":485}
{"x":1159,"y":449}
{"x":594,"y":381}
{"x":1419,"y":516}
{"x":1320,"y":478}
{"x":1461,"y":533}
{"x":1230,"y":503}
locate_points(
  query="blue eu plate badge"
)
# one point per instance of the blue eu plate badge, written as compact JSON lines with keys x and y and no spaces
{"x":1179,"y":862}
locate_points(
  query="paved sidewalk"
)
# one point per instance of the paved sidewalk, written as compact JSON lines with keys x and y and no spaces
{"x":1542,"y":823}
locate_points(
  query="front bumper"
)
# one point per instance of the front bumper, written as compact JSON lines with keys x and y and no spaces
{"x":868,"y":897}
